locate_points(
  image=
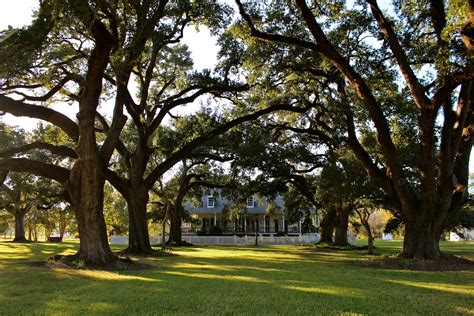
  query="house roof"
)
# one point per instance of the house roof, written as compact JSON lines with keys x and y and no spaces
{"x":260,"y":205}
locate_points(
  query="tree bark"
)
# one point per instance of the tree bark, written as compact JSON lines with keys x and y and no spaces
{"x":30,"y":235}
{"x":327,"y":228}
{"x":94,"y":247}
{"x":175,"y":236}
{"x":20,"y":227}
{"x":62,"y":226}
{"x":421,"y":241}
{"x":370,"y":238}
{"x":138,"y":235}
{"x":177,"y":212}
{"x":86,"y":184}
{"x":342,"y":223}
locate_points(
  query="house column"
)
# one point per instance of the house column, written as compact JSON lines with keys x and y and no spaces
{"x":264,"y":227}
{"x":300,"y":224}
{"x":283,"y":223}
{"x":215,"y":218}
{"x":245,"y":224}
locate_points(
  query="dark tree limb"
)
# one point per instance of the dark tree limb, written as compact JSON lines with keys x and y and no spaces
{"x":18,"y":108}
{"x":416,"y":88}
{"x":35,"y":167}
{"x":273,"y":37}
{"x":55,"y":149}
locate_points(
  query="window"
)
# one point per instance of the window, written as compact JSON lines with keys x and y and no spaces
{"x":250,"y":202}
{"x":211,"y":201}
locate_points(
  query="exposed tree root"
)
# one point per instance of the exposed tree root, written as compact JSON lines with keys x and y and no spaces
{"x":444,"y":263}
{"x":145,"y":253}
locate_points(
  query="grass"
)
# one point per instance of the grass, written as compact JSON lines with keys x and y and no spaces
{"x":233,"y":280}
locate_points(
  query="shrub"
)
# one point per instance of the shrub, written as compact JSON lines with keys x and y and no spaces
{"x":215,"y":231}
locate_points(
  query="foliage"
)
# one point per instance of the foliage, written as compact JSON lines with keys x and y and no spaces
{"x":215,"y":231}
{"x":465,"y":220}
{"x":115,"y":212}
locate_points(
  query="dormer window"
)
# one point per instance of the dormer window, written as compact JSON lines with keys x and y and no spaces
{"x":250,"y":201}
{"x":211,"y":201}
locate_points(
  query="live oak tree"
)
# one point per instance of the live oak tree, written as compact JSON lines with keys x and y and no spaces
{"x":94,"y":49}
{"x":167,"y":83}
{"x":365,"y":209}
{"x":17,"y":196}
{"x":367,"y":66}
{"x":74,"y":51}
{"x":13,"y":197}
{"x":269,"y":161}
{"x":341,"y":184}
{"x":203,"y":170}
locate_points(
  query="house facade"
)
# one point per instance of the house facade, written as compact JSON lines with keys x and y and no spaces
{"x":212,"y":217}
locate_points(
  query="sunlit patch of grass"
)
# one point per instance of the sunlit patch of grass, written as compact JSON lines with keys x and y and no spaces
{"x":202,"y":267}
{"x":443,"y":287}
{"x":337,"y":291}
{"x":104,"y":275}
{"x":281,"y":253}
{"x":93,"y":308}
{"x":210,"y":276}
{"x":464,"y":311}
{"x":221,"y":267}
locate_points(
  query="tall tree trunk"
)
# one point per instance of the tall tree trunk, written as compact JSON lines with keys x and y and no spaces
{"x":87,"y":179}
{"x":35,"y":233}
{"x":175,"y":236}
{"x":163,"y":226}
{"x":20,"y":227}
{"x":138,"y":235}
{"x":94,"y":247}
{"x":370,"y":238}
{"x":177,"y":212}
{"x":30,"y":235}
{"x":327,"y":227}
{"x":420,"y":241}
{"x":342,"y":223}
{"x":62,"y":226}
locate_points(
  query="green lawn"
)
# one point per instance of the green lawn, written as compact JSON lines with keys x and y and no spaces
{"x":284,"y":280}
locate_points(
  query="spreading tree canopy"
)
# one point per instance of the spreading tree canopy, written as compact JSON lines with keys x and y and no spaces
{"x":359,"y":66}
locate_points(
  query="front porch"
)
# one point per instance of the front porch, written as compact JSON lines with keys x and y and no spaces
{"x":216,"y":224}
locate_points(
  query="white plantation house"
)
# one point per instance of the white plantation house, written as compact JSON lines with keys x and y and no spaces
{"x":467,"y":235}
{"x":213,"y":212}
{"x":213,"y":225}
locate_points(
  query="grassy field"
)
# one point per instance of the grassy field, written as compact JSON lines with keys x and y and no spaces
{"x":283,"y":280}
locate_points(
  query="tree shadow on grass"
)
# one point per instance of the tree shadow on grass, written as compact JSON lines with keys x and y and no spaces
{"x":12,"y":252}
{"x":242,"y":283}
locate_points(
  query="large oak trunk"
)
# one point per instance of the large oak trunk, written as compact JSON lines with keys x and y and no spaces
{"x":341,"y":226}
{"x":421,"y":241}
{"x":175,"y":226}
{"x":327,"y":228}
{"x":19,"y":227}
{"x":87,"y":179}
{"x":94,"y":248}
{"x":138,"y":235}
{"x":86,"y":191}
